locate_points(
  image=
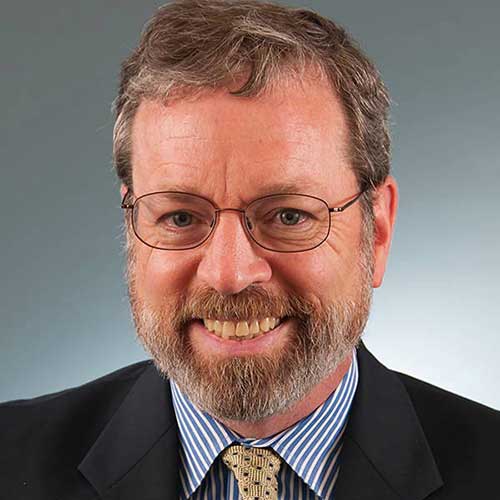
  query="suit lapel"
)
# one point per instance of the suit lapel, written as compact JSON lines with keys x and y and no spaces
{"x":136,"y":455}
{"x":385,"y":452}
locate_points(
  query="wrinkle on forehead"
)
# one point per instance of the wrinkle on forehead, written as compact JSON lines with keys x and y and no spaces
{"x":272,"y":108}
{"x":224,"y":144}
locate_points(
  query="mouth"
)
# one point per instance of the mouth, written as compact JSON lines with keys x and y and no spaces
{"x":240,"y":330}
{"x":228,"y":338}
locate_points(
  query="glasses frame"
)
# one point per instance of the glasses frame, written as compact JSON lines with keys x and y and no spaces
{"x":131,"y":206}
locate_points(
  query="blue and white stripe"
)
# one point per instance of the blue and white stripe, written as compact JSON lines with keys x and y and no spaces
{"x":310,"y":449}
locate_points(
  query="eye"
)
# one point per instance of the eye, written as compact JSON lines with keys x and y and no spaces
{"x":290,"y":216}
{"x":180,"y":219}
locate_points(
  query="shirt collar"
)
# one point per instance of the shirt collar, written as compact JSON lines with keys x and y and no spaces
{"x":310,"y":447}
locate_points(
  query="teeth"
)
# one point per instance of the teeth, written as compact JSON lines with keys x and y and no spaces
{"x":264,"y":325}
{"x":254,"y":327}
{"x":228,"y":329}
{"x":241,"y":329}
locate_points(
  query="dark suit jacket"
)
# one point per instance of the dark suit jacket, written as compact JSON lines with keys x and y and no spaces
{"x":116,"y":438}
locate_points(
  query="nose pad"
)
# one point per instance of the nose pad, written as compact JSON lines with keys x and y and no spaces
{"x":248,"y":223}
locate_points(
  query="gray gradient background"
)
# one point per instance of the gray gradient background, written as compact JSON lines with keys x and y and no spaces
{"x":64,"y":315}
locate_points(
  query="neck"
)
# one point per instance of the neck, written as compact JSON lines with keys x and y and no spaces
{"x":277,"y":423}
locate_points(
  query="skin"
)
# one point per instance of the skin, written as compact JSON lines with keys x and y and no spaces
{"x":228,"y":149}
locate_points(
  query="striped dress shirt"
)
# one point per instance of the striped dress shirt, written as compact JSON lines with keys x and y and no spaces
{"x":309,"y":449}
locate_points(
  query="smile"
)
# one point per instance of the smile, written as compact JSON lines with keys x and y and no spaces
{"x":241,"y":330}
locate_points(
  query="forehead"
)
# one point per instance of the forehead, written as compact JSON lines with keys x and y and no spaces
{"x":233,"y":148}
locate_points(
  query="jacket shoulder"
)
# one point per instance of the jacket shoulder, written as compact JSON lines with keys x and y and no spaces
{"x":464,"y":435}
{"x":428,"y":397}
{"x":92,"y":398}
{"x":54,"y":431}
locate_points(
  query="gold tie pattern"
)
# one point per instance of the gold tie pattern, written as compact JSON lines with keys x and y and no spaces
{"x":255,"y":470}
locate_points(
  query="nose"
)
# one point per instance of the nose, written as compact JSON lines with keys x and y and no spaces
{"x":231,"y":260}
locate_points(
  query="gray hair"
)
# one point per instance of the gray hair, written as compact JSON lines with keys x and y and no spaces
{"x":194,"y":46}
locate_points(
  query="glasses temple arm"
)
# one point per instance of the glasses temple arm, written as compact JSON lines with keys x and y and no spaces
{"x":347,"y":205}
{"x":126,"y":205}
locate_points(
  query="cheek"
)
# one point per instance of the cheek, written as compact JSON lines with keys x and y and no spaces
{"x":160,"y":274}
{"x":320,"y":275}
{"x":309,"y":274}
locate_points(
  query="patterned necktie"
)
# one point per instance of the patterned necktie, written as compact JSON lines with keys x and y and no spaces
{"x":255,"y":470}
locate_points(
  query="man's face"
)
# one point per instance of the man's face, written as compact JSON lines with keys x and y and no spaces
{"x":231,"y":150}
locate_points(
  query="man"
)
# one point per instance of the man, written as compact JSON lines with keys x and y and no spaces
{"x":251,"y":143}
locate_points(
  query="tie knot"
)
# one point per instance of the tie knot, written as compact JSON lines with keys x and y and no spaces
{"x":255,"y":470}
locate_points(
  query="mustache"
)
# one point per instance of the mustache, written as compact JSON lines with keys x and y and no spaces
{"x":252,"y":302}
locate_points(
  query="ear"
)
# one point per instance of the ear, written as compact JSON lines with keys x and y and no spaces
{"x":385,"y":205}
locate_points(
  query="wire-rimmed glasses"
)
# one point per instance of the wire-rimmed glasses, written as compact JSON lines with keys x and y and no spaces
{"x":176,"y":220}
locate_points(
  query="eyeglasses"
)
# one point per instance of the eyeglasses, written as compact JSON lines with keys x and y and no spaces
{"x":174,"y":220}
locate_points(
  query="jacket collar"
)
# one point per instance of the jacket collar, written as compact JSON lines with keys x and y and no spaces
{"x":385,"y":453}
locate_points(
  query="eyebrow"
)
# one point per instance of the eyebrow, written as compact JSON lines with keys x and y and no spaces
{"x":290,"y":186}
{"x":293,"y":186}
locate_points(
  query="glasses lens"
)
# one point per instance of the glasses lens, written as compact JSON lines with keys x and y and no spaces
{"x":172,"y":221}
{"x":284,"y":223}
{"x":289,"y":223}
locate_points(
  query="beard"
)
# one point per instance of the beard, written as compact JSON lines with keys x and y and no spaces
{"x":253,"y":387}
